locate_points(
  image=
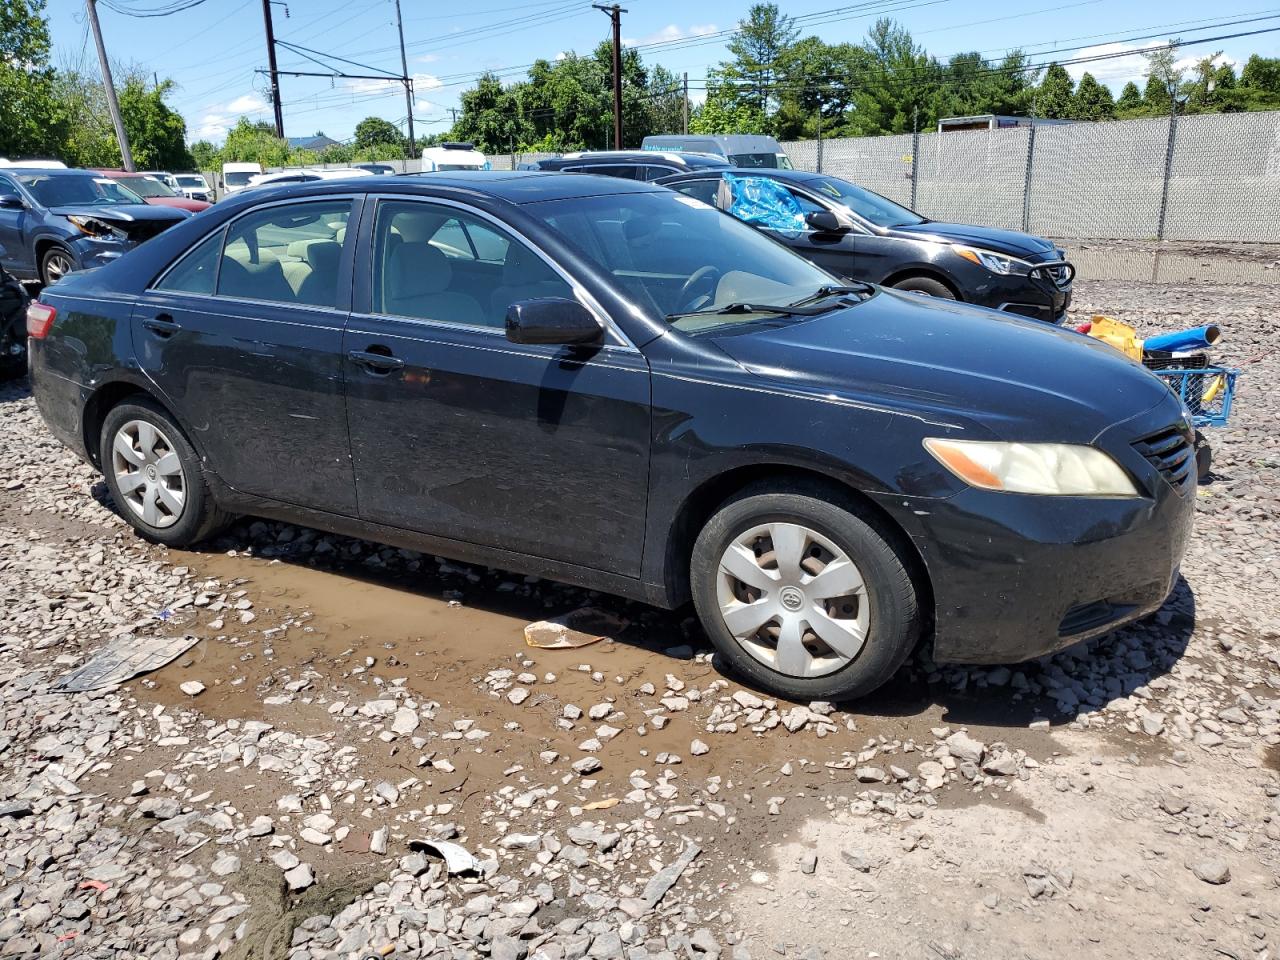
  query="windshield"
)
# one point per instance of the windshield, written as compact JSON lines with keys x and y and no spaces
{"x":237,"y":178}
{"x":676,"y":255}
{"x":147,"y":187}
{"x":61,"y":191}
{"x":192,"y":182}
{"x":772,"y":161}
{"x":881,"y":211}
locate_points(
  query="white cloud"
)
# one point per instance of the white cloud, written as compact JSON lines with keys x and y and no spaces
{"x":217,"y":119}
{"x":421,"y":82}
{"x":1187,"y":64}
{"x":672,"y":32}
{"x":426,"y":58}
{"x":1119,"y":70}
{"x":562,"y":55}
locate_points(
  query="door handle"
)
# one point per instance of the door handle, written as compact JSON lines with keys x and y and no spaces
{"x":162,"y":325}
{"x":376,"y":361}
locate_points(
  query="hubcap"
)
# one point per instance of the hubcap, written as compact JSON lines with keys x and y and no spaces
{"x":57,"y":267}
{"x":793,"y":599}
{"x":149,"y":473}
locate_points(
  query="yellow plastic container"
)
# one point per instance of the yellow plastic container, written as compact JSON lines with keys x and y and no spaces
{"x":1119,"y":335}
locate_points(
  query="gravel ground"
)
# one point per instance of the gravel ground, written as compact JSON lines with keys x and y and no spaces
{"x":275,"y":790}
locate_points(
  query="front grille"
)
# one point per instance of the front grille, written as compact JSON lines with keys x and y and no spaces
{"x":1060,"y":276}
{"x":146,"y":229}
{"x":1170,"y":451}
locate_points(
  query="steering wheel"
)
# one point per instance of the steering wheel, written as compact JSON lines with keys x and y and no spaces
{"x":704,"y":276}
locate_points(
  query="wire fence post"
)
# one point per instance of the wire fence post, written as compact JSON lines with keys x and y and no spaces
{"x":915,"y":166}
{"x":1168,"y":166}
{"x":1026,"y":183}
{"x":819,"y":133}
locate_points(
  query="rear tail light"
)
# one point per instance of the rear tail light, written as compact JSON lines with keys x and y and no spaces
{"x":40,"y":318}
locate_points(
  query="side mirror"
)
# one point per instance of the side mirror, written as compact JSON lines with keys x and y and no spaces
{"x":824,"y":221}
{"x":10,"y":202}
{"x":551,"y":320}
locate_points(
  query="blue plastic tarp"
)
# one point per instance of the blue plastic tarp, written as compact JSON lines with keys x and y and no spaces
{"x":765,"y":203}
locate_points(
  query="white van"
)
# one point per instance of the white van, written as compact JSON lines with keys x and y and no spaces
{"x":453,"y":156}
{"x":235,"y":176}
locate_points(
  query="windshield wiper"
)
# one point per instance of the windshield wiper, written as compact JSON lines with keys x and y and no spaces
{"x":835,"y":290}
{"x":740,"y":307}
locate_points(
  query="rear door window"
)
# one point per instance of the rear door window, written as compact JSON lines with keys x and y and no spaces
{"x":286,"y":254}
{"x":197,"y":272}
{"x":704,"y":190}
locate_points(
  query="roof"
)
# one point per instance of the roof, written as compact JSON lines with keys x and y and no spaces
{"x":791,"y":176}
{"x":312,"y":143}
{"x":513,"y":186}
{"x":54,"y":171}
{"x":689,"y":159}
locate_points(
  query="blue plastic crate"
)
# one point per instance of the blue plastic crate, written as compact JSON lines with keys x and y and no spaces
{"x":1207,"y":392}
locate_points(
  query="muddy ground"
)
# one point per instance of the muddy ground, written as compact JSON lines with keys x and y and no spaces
{"x":1119,"y":800}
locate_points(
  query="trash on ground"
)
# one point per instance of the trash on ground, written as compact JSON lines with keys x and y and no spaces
{"x":577,"y":628}
{"x":602,"y":804}
{"x":456,"y":857}
{"x":122,"y":659}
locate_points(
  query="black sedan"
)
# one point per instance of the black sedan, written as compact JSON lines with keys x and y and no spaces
{"x":860,"y":235}
{"x":56,"y":221}
{"x":614,"y":385}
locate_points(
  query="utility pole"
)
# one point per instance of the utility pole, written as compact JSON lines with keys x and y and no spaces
{"x":408,"y":83}
{"x":684,"y":107}
{"x":271,"y":62}
{"x":615,"y":13}
{"x":126,"y":155}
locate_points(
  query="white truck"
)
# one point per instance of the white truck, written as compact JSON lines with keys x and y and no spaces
{"x":453,"y":156}
{"x":235,"y":176}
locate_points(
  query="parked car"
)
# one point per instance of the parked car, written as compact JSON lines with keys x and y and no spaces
{"x":235,"y":176}
{"x":53,"y":221}
{"x":631,"y":164}
{"x":305,"y":176}
{"x":610,"y":384}
{"x":34,"y":164}
{"x":194,"y":186}
{"x":168,"y":179}
{"x":738,"y":150}
{"x":13,"y":325}
{"x":154,"y":190}
{"x":377,"y":169}
{"x":859,"y":235}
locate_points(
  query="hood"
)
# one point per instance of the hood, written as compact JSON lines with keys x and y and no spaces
{"x":179,"y":203}
{"x":122,"y":213}
{"x":1009,"y":242}
{"x":1019,"y":379}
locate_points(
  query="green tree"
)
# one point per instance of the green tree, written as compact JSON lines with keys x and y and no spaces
{"x":1261,"y":73}
{"x":1164,"y":78}
{"x":255,"y":143}
{"x":31,"y":123}
{"x":725,"y":110}
{"x":374,"y":132}
{"x":1130,"y":100}
{"x":90,"y":139}
{"x":157,"y":134}
{"x":205,"y":155}
{"x":1093,"y":101}
{"x":762,"y":40}
{"x":337,"y":153}
{"x":1055,"y":97}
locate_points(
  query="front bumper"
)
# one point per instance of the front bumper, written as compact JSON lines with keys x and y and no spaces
{"x":1016,"y":577}
{"x":90,"y":252}
{"x":1024,"y":296}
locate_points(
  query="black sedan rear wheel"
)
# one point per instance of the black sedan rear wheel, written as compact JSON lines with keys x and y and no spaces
{"x":803,"y":597}
{"x":155,"y":476}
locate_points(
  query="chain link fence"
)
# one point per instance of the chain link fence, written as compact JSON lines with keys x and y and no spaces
{"x":1209,"y":177}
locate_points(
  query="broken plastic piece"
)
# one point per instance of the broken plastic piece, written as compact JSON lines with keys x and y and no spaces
{"x":122,"y":659}
{"x":577,"y":628}
{"x":94,"y":885}
{"x":602,"y":804}
{"x":455,"y":856}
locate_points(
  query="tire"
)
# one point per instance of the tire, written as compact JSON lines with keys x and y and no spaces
{"x":196,"y":516}
{"x":885,"y":612}
{"x":926,"y":286}
{"x":55,"y":263}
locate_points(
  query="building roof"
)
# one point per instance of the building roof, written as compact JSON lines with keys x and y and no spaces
{"x":312,"y":143}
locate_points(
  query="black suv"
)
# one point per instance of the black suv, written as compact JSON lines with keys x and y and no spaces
{"x":632,"y":164}
{"x":859,"y":235}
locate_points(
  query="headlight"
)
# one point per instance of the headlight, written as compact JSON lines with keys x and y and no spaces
{"x":1058,"y":469}
{"x":98,"y":229}
{"x":995,"y":262}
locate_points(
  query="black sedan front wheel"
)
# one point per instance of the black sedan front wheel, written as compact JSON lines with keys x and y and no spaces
{"x":926,"y":287}
{"x":801,"y":596}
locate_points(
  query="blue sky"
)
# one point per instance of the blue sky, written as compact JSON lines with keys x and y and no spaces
{"x":212,"y":50}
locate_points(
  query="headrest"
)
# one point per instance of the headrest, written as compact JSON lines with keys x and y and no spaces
{"x":415,"y":269}
{"x":323,"y":255}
